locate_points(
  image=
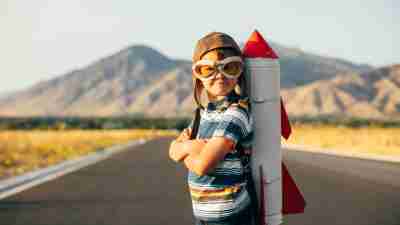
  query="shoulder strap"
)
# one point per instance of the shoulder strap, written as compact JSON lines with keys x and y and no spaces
{"x":196,"y":123}
{"x":244,"y":104}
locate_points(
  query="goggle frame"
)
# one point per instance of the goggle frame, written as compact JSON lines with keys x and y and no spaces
{"x":219,"y":65}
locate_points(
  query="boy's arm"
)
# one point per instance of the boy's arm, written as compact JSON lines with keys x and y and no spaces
{"x":177,"y":150}
{"x":180,"y":149}
{"x":226,"y":135}
{"x":214,"y":151}
{"x":182,"y":146}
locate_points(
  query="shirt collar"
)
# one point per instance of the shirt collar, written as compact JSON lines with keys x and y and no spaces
{"x":223,"y":103}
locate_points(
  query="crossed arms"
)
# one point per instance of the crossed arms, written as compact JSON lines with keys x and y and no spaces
{"x":199,"y":155}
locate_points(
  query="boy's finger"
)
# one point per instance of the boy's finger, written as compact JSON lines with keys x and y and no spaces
{"x":186,"y":132}
{"x":183,"y":135}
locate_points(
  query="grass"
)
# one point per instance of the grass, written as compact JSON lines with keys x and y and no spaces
{"x":374,"y":140}
{"x":22,"y":151}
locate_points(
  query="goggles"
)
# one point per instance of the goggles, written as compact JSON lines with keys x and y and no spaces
{"x":230,"y":67}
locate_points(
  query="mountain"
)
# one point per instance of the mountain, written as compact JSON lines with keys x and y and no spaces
{"x":372,"y":94}
{"x":106,"y":87}
{"x":140,"y":79}
{"x":300,"y":68}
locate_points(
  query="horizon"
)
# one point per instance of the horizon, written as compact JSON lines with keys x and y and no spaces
{"x":42,"y":41}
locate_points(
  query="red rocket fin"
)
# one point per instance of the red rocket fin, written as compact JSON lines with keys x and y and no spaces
{"x":257,"y":47}
{"x":292,"y":199}
{"x":262,"y":203}
{"x":286,"y":129}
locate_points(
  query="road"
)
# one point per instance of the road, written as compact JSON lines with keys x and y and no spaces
{"x":141,"y":186}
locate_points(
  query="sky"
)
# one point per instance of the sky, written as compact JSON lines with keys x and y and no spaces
{"x":43,"y":39}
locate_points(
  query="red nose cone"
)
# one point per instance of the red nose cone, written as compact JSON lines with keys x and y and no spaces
{"x":257,"y":47}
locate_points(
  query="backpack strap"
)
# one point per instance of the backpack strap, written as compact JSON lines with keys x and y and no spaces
{"x":244,"y":104}
{"x":196,"y":123}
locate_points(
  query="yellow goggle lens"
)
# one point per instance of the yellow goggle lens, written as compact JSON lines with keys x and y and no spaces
{"x":205,"y":70}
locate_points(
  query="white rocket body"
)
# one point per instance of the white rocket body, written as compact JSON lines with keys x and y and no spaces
{"x":264,"y":85}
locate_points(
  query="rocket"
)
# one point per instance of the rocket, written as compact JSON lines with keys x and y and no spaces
{"x":277,"y":193}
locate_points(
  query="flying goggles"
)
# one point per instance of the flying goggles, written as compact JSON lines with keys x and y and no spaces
{"x":230,"y":67}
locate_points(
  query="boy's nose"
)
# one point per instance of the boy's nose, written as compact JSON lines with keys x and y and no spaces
{"x":219,"y":75}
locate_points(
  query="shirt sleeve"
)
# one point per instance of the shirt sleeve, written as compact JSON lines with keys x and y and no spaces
{"x":234,"y":125}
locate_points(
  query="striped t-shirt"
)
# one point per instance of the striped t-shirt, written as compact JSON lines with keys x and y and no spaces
{"x":222,"y":192}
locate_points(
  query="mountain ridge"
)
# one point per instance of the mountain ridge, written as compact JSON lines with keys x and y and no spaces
{"x":140,"y":79}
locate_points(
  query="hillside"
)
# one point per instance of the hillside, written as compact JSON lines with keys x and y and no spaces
{"x":139,"y":79}
{"x":373,"y":94}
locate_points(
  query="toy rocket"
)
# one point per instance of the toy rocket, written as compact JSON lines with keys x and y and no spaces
{"x":277,"y":193}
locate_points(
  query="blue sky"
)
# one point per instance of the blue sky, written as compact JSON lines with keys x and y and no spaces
{"x":43,"y":39}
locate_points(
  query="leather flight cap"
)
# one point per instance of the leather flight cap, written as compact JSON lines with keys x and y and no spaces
{"x":212,"y":41}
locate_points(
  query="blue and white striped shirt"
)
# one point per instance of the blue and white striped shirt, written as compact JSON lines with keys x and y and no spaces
{"x":222,"y":192}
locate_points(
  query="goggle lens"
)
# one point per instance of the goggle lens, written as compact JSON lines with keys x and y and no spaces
{"x":205,"y":70}
{"x":233,"y":68}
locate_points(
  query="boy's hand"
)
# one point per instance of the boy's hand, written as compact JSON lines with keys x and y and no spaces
{"x":185,"y":135}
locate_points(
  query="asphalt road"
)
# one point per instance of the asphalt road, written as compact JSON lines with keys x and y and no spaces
{"x":142,"y":186}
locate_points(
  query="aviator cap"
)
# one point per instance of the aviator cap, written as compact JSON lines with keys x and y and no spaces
{"x":212,"y":41}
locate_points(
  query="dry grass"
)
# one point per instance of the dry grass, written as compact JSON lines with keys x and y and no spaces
{"x":375,"y":140}
{"x":22,"y":151}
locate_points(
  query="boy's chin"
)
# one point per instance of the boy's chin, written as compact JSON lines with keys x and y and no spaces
{"x":221,"y":92}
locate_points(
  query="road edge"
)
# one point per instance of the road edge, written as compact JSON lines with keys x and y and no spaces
{"x":14,"y":185}
{"x":341,"y":152}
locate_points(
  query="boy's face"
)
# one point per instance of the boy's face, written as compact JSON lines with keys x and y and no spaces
{"x":219,"y":86}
